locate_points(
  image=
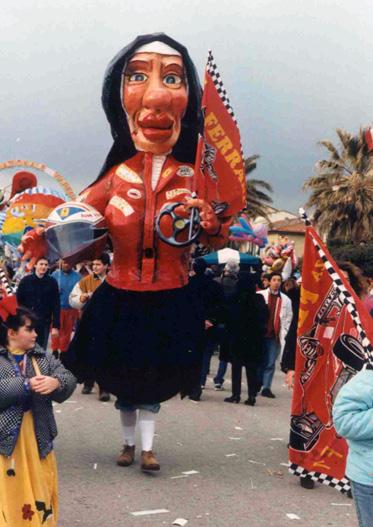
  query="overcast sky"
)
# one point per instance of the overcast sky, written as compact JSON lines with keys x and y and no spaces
{"x":295,"y":70}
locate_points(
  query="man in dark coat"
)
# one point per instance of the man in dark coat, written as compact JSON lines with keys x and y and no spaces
{"x":209,"y":302}
{"x":39,"y":293}
{"x":246,"y":328}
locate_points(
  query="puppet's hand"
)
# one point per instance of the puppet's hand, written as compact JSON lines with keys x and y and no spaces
{"x":33,"y":246}
{"x":210,"y":222}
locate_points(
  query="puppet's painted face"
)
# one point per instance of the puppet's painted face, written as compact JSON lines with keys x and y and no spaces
{"x":155,"y":98}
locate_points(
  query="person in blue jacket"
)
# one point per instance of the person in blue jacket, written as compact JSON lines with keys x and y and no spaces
{"x":353,"y":420}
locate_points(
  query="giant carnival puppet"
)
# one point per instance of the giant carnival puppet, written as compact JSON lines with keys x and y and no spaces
{"x":140,"y":332}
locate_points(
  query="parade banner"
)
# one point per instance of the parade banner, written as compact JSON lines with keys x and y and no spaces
{"x":334,"y":341}
{"x":219,"y":152}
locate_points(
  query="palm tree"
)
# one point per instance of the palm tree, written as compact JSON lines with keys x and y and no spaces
{"x":257,"y":192}
{"x":342,"y":190}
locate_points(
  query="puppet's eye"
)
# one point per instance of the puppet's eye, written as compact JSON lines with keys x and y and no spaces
{"x":137,"y":77}
{"x":172,"y":79}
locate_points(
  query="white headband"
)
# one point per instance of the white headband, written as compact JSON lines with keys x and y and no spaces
{"x":157,"y":47}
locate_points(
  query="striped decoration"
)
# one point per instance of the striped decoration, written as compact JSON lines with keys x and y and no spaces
{"x":40,"y":190}
{"x":5,"y":282}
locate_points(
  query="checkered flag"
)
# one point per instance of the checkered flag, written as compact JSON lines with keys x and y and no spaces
{"x":222,"y":157}
{"x":212,"y":70}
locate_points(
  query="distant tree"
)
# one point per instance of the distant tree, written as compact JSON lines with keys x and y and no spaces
{"x":360,"y":255}
{"x":258,"y":198}
{"x":342,"y":190}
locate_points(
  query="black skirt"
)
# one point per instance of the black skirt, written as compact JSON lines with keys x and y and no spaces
{"x":144,"y":347}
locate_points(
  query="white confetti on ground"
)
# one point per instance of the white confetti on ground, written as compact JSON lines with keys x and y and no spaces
{"x":277,"y":439}
{"x":190,"y":472}
{"x":146,"y":513}
{"x":178,"y":477}
{"x":95,"y":466}
{"x":181,"y":522}
{"x":238,"y":428}
{"x":341,"y":504}
{"x":230,"y":455}
{"x":235,"y":438}
{"x":256,"y":462}
{"x":79,"y":408}
{"x":292,"y":516}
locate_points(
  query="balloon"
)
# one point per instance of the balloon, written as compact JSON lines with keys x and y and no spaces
{"x":245,"y":232}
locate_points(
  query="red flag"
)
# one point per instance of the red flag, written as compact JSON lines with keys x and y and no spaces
{"x":220,"y":157}
{"x":333,"y":343}
{"x":369,"y":138}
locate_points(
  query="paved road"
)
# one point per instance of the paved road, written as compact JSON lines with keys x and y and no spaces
{"x":237,"y":452}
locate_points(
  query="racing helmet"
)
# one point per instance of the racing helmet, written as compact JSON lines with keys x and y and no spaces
{"x":75,"y":231}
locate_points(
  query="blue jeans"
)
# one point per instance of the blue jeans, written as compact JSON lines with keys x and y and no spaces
{"x":219,"y":377}
{"x":363,"y":497}
{"x":267,"y":369}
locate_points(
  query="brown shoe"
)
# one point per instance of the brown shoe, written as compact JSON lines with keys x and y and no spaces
{"x":127,"y":456}
{"x":149,"y":461}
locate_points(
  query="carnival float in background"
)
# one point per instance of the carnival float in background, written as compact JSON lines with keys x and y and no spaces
{"x":25,"y":204}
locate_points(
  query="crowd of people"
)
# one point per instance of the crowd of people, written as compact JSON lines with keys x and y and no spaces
{"x":249,"y":319}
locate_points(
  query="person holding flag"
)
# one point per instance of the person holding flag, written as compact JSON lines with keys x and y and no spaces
{"x":140,"y":330}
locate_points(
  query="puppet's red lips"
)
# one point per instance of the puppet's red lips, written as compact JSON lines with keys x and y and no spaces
{"x":157,"y":134}
{"x":162,"y":121}
{"x":156,"y":128}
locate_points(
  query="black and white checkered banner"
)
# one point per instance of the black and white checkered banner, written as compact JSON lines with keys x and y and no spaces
{"x":212,"y":70}
{"x":343,"y":485}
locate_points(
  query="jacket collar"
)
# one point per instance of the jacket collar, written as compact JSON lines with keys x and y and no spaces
{"x":37,"y":351}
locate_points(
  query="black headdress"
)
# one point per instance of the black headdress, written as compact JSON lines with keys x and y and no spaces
{"x":123,"y":147}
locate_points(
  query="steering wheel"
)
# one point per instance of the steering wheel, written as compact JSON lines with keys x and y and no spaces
{"x":179,"y":225}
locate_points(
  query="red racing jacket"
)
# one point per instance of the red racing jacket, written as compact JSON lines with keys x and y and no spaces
{"x":125,"y":197}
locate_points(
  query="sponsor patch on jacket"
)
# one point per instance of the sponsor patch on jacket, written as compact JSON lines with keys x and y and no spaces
{"x":170,"y":194}
{"x":185,"y":171}
{"x":127,"y":174}
{"x":166,"y":173}
{"x":134,"y":193}
{"x":122,"y":205}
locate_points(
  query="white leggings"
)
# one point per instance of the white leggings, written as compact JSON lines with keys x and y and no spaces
{"x":146,"y":423}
